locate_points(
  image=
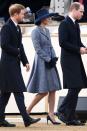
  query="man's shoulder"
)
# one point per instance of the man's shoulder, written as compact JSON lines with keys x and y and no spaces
{"x":6,"y":27}
{"x":67,"y":22}
{"x":64,"y":22}
{"x":7,"y":23}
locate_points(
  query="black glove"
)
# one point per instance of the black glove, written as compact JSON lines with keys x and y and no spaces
{"x":52,"y":63}
{"x":54,"y":60}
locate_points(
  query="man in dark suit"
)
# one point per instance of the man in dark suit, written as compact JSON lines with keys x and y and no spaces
{"x":11,"y":80}
{"x":74,"y":77}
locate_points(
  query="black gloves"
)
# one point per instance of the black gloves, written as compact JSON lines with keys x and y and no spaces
{"x":52,"y":63}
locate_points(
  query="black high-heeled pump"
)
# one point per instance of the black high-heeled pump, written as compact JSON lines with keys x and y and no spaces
{"x":54,"y":123}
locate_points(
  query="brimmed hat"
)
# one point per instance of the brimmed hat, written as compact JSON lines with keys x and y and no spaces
{"x":42,"y":14}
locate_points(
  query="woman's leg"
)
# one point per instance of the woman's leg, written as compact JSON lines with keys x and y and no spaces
{"x":36,"y":99}
{"x":51,"y":101}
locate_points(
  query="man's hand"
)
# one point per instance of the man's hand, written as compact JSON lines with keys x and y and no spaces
{"x":27,"y":67}
{"x":83,"y":50}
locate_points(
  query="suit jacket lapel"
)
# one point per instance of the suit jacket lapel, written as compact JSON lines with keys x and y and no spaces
{"x":70,"y":21}
{"x":14,"y":30}
{"x":75,"y":26}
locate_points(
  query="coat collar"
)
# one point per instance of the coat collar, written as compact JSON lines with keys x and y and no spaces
{"x":75,"y":26}
{"x":12,"y":23}
{"x":43,"y":32}
{"x":13,"y":28}
{"x":72,"y":18}
{"x":71,"y":22}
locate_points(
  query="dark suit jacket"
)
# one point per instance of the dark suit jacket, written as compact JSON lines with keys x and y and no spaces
{"x":69,"y":39}
{"x":12,"y":54}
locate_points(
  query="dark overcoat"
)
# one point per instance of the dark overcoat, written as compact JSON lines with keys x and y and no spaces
{"x":12,"y":55}
{"x":73,"y":70}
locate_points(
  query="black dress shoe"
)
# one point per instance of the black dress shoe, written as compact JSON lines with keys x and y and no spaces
{"x":61,"y":117}
{"x":74,"y":123}
{"x":31,"y":121}
{"x":6,"y":124}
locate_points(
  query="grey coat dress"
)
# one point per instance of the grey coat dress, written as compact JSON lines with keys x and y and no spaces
{"x":43,"y":80}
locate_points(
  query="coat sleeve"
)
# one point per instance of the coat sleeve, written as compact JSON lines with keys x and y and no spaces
{"x":36,"y":42}
{"x":64,"y":39}
{"x":81,"y":44}
{"x":6,"y":42}
{"x":53,"y":53}
{"x":23,"y":55}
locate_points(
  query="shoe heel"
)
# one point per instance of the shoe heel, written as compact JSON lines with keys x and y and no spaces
{"x":49,"y":119}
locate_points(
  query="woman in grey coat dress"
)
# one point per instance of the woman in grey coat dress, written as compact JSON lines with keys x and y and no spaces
{"x":44,"y":77}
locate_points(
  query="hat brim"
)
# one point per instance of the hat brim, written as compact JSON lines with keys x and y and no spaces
{"x":43,"y":17}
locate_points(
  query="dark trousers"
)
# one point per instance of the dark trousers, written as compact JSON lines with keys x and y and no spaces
{"x":19,"y":97}
{"x":69,"y":104}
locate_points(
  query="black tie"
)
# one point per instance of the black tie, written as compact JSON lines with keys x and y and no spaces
{"x":18,"y":28}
